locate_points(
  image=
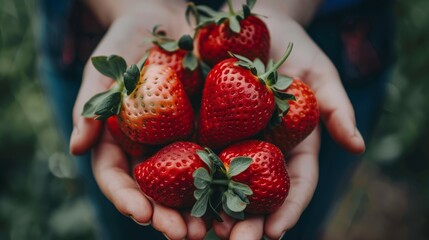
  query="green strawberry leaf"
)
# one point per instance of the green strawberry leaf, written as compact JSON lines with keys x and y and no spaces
{"x":238,"y":165}
{"x":216,"y":160}
{"x":282,"y":83}
{"x":234,"y":24}
{"x":199,"y":192}
{"x":169,"y":46}
{"x":112,"y":66}
{"x":246,"y":11}
{"x":259,"y":65}
{"x":202,"y":178}
{"x":234,"y":202}
{"x":241,"y":187}
{"x":282,"y":106}
{"x":186,"y":43}
{"x":191,"y":10}
{"x":236,"y":215}
{"x":250,"y":3}
{"x":142,"y":61}
{"x":131,"y":77}
{"x":270,"y":80}
{"x":93,"y":105}
{"x":240,"y":58}
{"x":205,"y":157}
{"x":220,"y":18}
{"x":109,"y":106}
{"x":200,"y":206}
{"x":190,"y":61}
{"x":241,"y":195}
{"x":284,"y":96}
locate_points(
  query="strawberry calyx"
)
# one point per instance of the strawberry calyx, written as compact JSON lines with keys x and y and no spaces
{"x":168,"y":44}
{"x":233,"y":195}
{"x":106,"y":104}
{"x":205,"y":15}
{"x":275,"y":82}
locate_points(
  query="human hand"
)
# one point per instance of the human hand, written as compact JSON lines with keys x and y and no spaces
{"x":110,"y":166}
{"x":112,"y":171}
{"x":302,"y":163}
{"x":308,"y":63}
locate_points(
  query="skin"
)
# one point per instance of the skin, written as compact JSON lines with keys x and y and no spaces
{"x":307,"y":62}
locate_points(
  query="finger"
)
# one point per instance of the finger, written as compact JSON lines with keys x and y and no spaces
{"x":111,"y":171}
{"x":303,"y":173}
{"x":335,"y":107}
{"x":168,"y":221}
{"x":86,"y":130}
{"x":223,"y":229}
{"x":250,"y":228}
{"x":197,"y":228}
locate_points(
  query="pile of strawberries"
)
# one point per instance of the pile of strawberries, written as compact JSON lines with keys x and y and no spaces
{"x":211,"y":133}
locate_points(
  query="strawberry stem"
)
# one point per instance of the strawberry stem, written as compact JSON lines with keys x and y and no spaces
{"x":223,"y":182}
{"x":230,"y":7}
{"x":279,"y":63}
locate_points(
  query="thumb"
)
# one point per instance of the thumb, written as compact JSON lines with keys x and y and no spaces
{"x":87,"y":130}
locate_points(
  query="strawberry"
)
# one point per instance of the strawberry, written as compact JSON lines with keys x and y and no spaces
{"x":266,"y":176}
{"x":133,"y":149}
{"x":238,"y":32}
{"x":151,"y":103}
{"x":167,"y":176}
{"x":239,"y":98}
{"x":299,"y":121}
{"x":177,"y":55}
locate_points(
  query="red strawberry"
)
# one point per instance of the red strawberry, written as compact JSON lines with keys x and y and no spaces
{"x":158,"y":110}
{"x":134,"y":149}
{"x":299,"y":121}
{"x":266,"y":176}
{"x":166,"y":177}
{"x":177,"y":55}
{"x":238,"y":32}
{"x":151,"y":103}
{"x":239,"y":98}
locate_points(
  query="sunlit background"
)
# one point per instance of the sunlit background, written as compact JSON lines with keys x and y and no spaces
{"x":40,"y":198}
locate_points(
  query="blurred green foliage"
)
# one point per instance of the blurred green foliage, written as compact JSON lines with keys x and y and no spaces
{"x":40,"y":197}
{"x":400,"y":145}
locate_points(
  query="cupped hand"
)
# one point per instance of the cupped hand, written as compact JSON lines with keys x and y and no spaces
{"x":111,"y":168}
{"x":308,"y":63}
{"x":112,"y":171}
{"x":302,"y":165}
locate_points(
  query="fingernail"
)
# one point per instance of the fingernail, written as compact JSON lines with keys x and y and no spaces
{"x":283,"y":234}
{"x":73,"y":137}
{"x":141,"y":224}
{"x":165,"y":236}
{"x":360,"y":140}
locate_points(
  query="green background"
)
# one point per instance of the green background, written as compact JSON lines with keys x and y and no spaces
{"x":40,"y":197}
